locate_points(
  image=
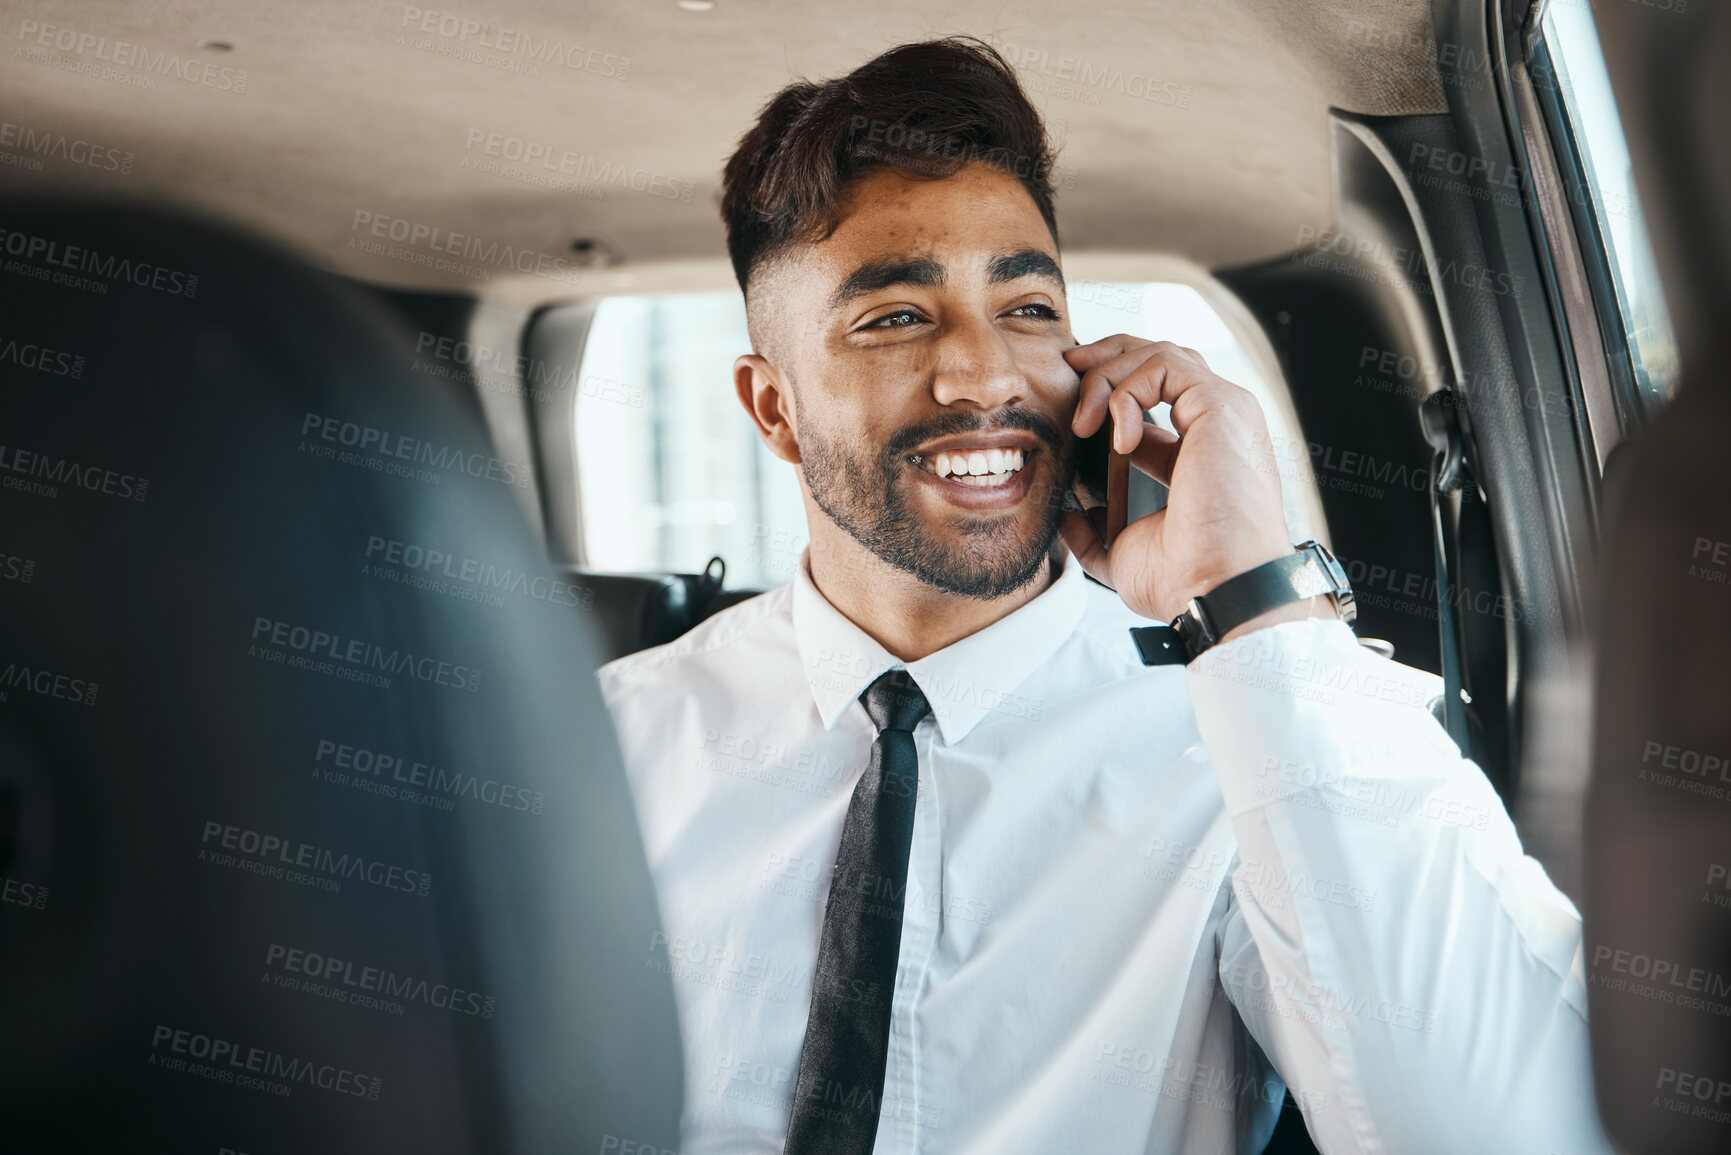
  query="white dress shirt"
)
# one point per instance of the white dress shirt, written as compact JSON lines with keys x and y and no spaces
{"x":1134,"y":893}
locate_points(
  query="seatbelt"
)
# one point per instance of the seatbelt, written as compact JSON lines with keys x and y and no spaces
{"x":1440,"y":415}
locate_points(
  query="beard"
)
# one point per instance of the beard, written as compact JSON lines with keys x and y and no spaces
{"x":864,"y":492}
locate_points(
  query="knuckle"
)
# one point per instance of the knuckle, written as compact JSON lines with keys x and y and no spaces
{"x":1238,"y":397}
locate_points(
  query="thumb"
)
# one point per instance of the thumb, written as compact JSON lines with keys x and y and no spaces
{"x":1085,"y":543}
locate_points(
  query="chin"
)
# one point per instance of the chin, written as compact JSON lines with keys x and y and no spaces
{"x":990,"y":560}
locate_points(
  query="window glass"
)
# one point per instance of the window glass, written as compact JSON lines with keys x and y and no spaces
{"x":1583,"y":87}
{"x":672,"y":471}
{"x":670,"y":468}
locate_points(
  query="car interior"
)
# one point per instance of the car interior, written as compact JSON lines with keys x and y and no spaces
{"x":412,"y":328}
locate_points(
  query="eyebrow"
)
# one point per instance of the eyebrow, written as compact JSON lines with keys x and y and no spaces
{"x":1026,"y":263}
{"x":920,"y":272}
{"x":926,"y":273}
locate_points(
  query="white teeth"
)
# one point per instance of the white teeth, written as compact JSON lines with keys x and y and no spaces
{"x":977,"y":466}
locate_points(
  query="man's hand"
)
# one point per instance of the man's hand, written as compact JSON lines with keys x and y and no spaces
{"x":1224,"y":513}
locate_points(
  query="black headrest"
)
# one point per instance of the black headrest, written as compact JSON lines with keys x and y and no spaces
{"x":313,"y":830}
{"x":631,"y":611}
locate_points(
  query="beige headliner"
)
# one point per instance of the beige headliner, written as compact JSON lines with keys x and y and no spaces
{"x":339,"y":117}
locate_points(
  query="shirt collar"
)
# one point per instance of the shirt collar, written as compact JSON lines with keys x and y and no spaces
{"x":964,"y":681}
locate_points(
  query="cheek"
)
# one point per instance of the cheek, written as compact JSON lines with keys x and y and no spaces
{"x":843,"y":427}
{"x":1051,"y":376}
{"x":859,"y":407}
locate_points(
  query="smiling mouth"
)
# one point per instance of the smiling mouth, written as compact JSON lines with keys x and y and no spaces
{"x":981,"y":468}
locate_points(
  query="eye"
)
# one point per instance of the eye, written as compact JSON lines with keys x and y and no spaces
{"x":880,"y":323}
{"x":1045,"y":313}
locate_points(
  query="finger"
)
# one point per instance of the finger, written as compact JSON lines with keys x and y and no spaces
{"x":1197,"y":357}
{"x":1157,"y":453}
{"x":1085,"y":421}
{"x":1086,"y":544}
{"x":1127,"y":420}
{"x":1093,"y":401}
{"x":1084,"y":357}
{"x":1097,"y":518}
{"x":1141,"y":376}
{"x":1151,"y":374}
{"x":1189,"y":388}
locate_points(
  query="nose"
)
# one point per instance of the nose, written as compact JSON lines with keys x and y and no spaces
{"x":976,"y":368}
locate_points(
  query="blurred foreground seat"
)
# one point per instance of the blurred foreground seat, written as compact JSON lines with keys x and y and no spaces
{"x":1658,"y":816}
{"x":298,"y":850}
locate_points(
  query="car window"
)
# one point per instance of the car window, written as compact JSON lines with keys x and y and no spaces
{"x":671,"y":470}
{"x":1569,"y":64}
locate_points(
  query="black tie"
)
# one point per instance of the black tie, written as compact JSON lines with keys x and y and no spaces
{"x":841,"y":1069}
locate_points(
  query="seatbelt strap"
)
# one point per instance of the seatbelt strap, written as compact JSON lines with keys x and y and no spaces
{"x":1442,"y":429}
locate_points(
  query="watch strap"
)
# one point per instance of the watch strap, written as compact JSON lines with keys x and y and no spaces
{"x":1310,"y":571}
{"x":1292,"y":578}
{"x":1160,"y":646}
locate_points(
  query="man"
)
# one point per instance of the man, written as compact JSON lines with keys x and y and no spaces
{"x":943,"y":865}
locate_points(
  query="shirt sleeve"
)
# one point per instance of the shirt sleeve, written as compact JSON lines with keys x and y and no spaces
{"x":1414,"y":976}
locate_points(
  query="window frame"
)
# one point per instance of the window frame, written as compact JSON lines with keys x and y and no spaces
{"x":1577,"y":197}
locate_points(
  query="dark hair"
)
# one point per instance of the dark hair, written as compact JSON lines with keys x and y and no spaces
{"x":928,"y":109}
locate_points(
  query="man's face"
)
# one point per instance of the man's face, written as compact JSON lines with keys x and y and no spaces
{"x":923,"y":342}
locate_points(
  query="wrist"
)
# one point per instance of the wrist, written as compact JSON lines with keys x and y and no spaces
{"x":1305,"y":583}
{"x":1311,"y":585}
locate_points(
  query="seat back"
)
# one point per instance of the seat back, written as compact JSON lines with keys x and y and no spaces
{"x":306,"y":844}
{"x":1658,"y":815}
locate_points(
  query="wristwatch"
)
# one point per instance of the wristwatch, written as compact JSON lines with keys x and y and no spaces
{"x":1309,"y":571}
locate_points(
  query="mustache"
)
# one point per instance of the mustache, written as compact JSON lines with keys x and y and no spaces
{"x":957,"y":421}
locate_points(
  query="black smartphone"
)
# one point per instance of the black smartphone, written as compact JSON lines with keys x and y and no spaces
{"x":1103,"y":482}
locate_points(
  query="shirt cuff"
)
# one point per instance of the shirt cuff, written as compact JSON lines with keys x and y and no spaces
{"x":1303,"y":704}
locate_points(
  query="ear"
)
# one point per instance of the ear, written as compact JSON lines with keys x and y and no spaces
{"x":764,"y":393}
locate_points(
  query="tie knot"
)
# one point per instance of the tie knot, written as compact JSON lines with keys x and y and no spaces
{"x":894,"y":702}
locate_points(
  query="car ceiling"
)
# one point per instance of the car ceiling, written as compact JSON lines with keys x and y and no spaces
{"x":340,"y":115}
